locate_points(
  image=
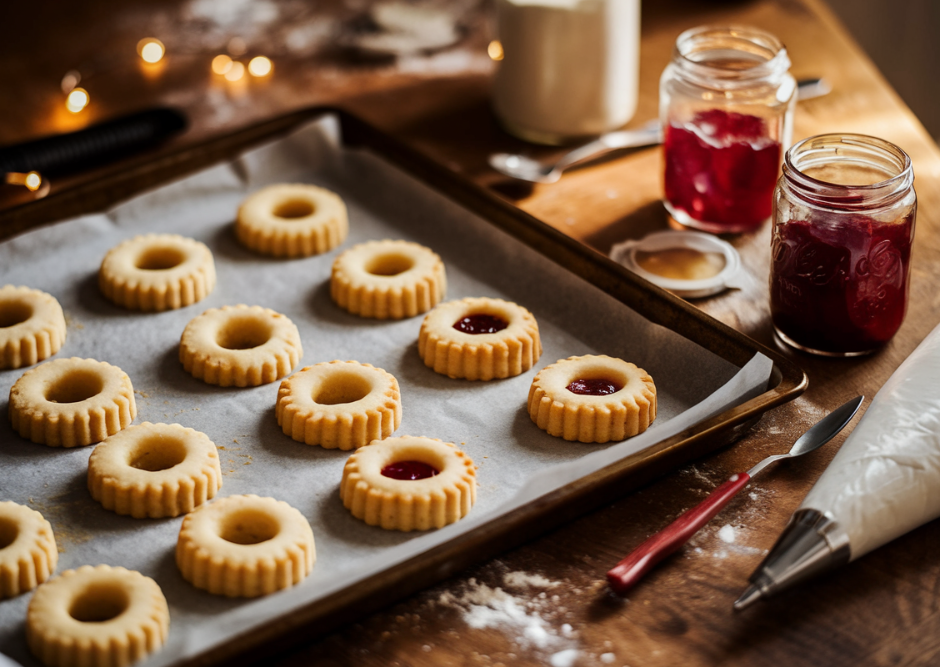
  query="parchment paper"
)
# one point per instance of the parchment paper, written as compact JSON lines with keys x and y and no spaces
{"x":517,"y":462}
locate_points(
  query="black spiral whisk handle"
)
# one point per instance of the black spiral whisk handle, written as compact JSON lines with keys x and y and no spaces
{"x":93,"y":145}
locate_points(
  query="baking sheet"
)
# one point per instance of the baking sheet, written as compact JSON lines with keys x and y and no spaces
{"x":517,"y":462}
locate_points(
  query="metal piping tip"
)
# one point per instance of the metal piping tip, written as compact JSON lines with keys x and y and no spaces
{"x":748,"y":597}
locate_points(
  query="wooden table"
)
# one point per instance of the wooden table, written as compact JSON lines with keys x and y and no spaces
{"x":548,"y":603}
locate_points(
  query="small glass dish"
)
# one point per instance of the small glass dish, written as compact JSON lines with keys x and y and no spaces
{"x":688,"y":264}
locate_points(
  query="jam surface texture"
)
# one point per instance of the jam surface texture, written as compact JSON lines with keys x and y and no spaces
{"x":840,"y":285}
{"x":721,"y":168}
{"x":480,"y":324}
{"x":594,"y":387}
{"x":409,"y":470}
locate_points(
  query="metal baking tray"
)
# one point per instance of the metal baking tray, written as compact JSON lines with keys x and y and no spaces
{"x":543,"y":513}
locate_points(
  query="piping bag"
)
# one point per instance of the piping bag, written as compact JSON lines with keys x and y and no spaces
{"x":883,"y":482}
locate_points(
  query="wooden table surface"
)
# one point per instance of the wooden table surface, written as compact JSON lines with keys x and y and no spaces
{"x":546,"y":603}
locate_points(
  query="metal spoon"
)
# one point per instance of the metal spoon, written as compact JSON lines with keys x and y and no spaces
{"x":525,"y":168}
{"x":642,"y":559}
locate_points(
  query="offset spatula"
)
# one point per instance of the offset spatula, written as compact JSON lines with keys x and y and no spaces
{"x":642,"y":559}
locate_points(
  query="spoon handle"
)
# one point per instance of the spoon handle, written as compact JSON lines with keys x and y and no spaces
{"x":641,"y":560}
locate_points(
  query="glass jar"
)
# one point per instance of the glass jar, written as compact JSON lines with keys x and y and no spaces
{"x":844,"y":213}
{"x":726,"y":104}
{"x":568,"y":69}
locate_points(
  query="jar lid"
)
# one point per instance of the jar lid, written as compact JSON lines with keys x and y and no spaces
{"x":688,"y":264}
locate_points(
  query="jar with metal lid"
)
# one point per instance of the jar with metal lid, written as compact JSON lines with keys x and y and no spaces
{"x":726,"y":104}
{"x":844,"y":212}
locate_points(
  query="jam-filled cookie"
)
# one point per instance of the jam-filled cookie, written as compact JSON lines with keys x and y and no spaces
{"x":479,"y":339}
{"x":409,"y":483}
{"x":594,"y":398}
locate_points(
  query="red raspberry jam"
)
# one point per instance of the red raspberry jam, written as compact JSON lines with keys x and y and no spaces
{"x":409,"y":470}
{"x":721,"y":169}
{"x":593,"y":387}
{"x":481,"y":324}
{"x":840,"y":287}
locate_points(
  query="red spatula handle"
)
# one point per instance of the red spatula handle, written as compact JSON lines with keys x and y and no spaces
{"x":642,"y":559}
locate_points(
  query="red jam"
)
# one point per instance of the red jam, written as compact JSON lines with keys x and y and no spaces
{"x":721,"y":170}
{"x":481,"y":324}
{"x":593,"y":387}
{"x":840,"y":286}
{"x":409,"y":470}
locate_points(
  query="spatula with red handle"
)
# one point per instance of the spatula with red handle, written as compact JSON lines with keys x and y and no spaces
{"x":642,"y":559}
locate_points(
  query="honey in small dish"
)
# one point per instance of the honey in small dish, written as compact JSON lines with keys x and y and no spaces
{"x":681,"y":263}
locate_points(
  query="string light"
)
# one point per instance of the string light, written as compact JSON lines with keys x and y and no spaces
{"x":260,"y":66}
{"x":151,"y":49}
{"x":495,"y":50}
{"x":221,"y":64}
{"x":236,"y":72}
{"x":77,"y":100}
{"x":71,"y":79}
{"x":32,"y":181}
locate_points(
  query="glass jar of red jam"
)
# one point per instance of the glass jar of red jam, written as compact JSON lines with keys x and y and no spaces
{"x":844,"y":213}
{"x":726,"y":104}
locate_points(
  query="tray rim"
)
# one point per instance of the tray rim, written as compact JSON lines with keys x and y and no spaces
{"x":129,"y":178}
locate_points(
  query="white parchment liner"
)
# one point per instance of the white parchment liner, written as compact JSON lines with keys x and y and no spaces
{"x":517,"y":462}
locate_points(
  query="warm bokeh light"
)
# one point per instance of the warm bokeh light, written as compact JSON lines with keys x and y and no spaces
{"x":495,"y":50}
{"x":32,"y":181}
{"x":236,"y":72}
{"x":260,"y":66}
{"x":77,"y":100}
{"x":151,"y":49}
{"x":71,"y":79}
{"x":221,"y":64}
{"x":237,"y":46}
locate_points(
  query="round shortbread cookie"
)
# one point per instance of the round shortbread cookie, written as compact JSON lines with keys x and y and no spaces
{"x":621,"y":402}
{"x":245,"y":546}
{"x":292,"y":220}
{"x":156,"y":272}
{"x":339,"y":404}
{"x":388,"y":279}
{"x":72,"y":402}
{"x":32,"y":326}
{"x":409,"y":500}
{"x":479,"y":339}
{"x":28,"y":553}
{"x":104,"y":616}
{"x":242,"y":346}
{"x":154,"y":471}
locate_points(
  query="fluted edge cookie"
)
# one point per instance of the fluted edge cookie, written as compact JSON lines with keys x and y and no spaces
{"x":405,"y":503}
{"x":245,"y":546}
{"x":388,"y":279}
{"x":28,"y":553}
{"x":154,"y":471}
{"x":479,"y":338}
{"x":157,"y":272}
{"x":339,"y":404}
{"x":292,"y":220}
{"x":104,"y":616}
{"x":72,"y":402}
{"x":32,"y":326}
{"x":593,"y":398}
{"x":242,"y":346}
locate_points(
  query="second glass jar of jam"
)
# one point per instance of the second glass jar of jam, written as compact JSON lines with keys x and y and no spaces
{"x":726,"y":105}
{"x":844,"y":214}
